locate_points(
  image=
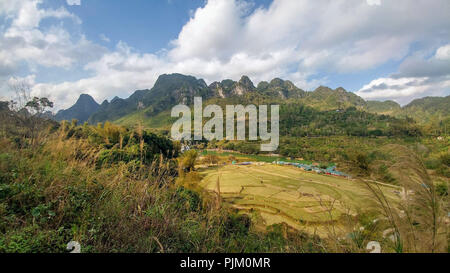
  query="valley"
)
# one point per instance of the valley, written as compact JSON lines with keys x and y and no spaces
{"x":346,"y":171}
{"x":224,"y":131}
{"x":304,"y":200}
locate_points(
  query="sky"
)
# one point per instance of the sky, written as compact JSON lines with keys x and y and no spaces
{"x":381,"y":50}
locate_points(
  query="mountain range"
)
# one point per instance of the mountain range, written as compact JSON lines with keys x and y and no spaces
{"x":81,"y":110}
{"x":173,"y":89}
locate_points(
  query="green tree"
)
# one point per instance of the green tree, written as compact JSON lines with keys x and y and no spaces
{"x":362,"y":161}
{"x":188,"y":160}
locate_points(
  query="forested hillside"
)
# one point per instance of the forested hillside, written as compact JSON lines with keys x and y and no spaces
{"x":323,"y":111}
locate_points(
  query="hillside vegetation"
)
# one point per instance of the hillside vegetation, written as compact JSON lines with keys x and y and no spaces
{"x":115,"y":190}
{"x":117,"y":183}
{"x":430,"y":113}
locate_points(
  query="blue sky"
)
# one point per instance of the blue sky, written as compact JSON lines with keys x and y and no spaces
{"x":380,"y":49}
{"x":147,"y":26}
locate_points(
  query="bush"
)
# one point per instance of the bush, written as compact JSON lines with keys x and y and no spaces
{"x":442,"y":189}
{"x":236,"y":225}
{"x":445,"y":159}
{"x":188,"y":160}
{"x":188,"y":199}
{"x":432,"y":164}
{"x":32,"y":239}
{"x":107,"y":157}
{"x":385,"y":174}
{"x":362,"y":161}
{"x":444,"y":171}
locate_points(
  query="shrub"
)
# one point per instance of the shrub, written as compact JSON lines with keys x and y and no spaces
{"x":188,"y":160}
{"x":362,"y":161}
{"x":188,"y":199}
{"x":32,"y":239}
{"x":445,"y":159}
{"x":442,"y":189}
{"x":236,"y":225}
{"x":432,"y":163}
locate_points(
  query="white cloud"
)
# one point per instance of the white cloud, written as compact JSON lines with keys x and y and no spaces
{"x":29,"y":14}
{"x":212,"y":33}
{"x":373,"y":2}
{"x":116,"y":74}
{"x":9,"y":84}
{"x":403,"y":90}
{"x":24,"y":44}
{"x":104,"y":38}
{"x":73,"y":2}
{"x":418,"y":76}
{"x":443,"y":53}
{"x":389,"y":87}
{"x":296,"y":40}
{"x":29,"y":80}
{"x":23,"y":40}
{"x":352,"y":35}
{"x":307,"y":36}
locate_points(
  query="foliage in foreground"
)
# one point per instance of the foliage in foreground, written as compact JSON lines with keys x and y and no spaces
{"x":116,"y":190}
{"x":74,"y":187}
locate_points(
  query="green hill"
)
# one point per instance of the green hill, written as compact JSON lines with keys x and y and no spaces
{"x":428,"y":108}
{"x":324,"y":98}
{"x":279,"y":88}
{"x":426,"y":111}
{"x":383,"y":107}
{"x":168,"y":91}
{"x":118,"y":107}
{"x":161,"y":121}
{"x":323,"y":111}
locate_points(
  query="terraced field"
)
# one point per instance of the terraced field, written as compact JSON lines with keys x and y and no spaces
{"x":276,"y":194}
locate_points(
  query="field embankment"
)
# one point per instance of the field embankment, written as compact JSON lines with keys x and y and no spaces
{"x":282,"y":194}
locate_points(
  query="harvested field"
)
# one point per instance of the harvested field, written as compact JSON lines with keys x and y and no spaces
{"x":287,"y":194}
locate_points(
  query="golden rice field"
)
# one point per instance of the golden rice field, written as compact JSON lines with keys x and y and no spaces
{"x":275,"y":194}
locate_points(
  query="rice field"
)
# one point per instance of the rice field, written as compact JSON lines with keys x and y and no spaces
{"x":276,"y":194}
{"x":259,"y":158}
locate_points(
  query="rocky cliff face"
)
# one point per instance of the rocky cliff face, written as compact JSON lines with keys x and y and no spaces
{"x":81,"y":110}
{"x":280,"y":88}
{"x":228,"y":88}
{"x":172,"y":89}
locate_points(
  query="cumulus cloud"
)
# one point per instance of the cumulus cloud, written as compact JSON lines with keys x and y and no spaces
{"x":403,"y":90}
{"x":24,"y":44}
{"x":443,"y":53}
{"x":420,"y":66}
{"x":117,"y":73}
{"x":340,"y":36}
{"x":121,"y":72}
{"x":297,"y":40}
{"x":23,"y":40}
{"x":417,"y":76}
{"x":12,"y":82}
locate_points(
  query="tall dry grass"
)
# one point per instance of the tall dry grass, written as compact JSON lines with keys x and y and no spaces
{"x":413,"y":223}
{"x":58,"y":192}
